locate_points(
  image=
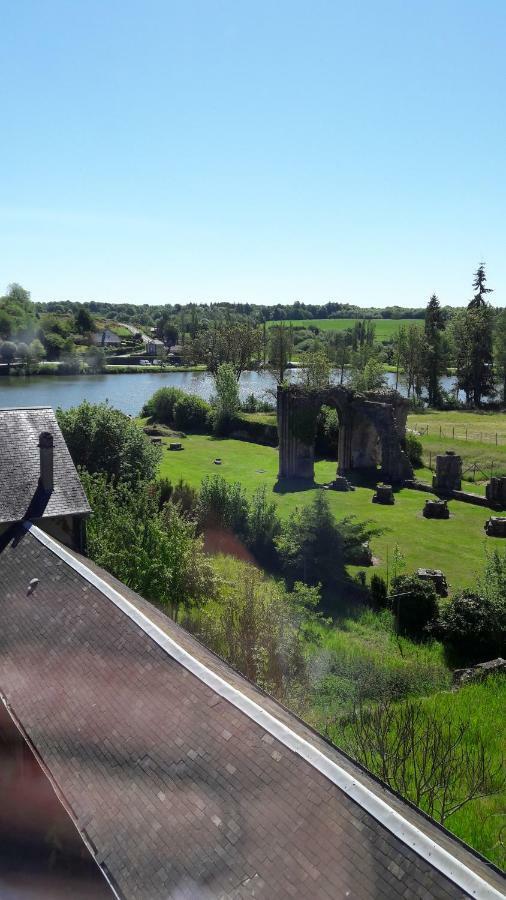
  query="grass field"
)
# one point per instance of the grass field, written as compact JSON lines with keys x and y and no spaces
{"x":479,"y":438}
{"x":385,"y":328}
{"x":457,"y":546}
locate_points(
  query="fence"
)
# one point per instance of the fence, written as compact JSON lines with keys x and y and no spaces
{"x":479,"y":470}
{"x":459,"y":432}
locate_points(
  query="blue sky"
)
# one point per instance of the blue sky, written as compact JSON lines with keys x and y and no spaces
{"x":260,"y":151}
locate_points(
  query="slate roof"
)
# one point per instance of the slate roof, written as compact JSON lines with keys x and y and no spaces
{"x":184,"y":779}
{"x":20,"y":469}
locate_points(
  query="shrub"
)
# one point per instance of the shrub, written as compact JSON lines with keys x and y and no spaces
{"x":223,"y":506}
{"x":259,"y":628}
{"x":414,"y":450}
{"x":379,"y":593}
{"x":414,"y":603}
{"x":191,"y":413}
{"x":103,"y":439}
{"x":161,"y":405}
{"x":263,"y":526}
{"x":473,"y":626}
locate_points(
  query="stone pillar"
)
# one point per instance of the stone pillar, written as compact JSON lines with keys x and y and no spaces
{"x":448,"y":475}
{"x":496,"y":492}
{"x":296,"y":459}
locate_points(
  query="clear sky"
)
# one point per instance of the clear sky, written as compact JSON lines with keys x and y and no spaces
{"x":255,"y":150}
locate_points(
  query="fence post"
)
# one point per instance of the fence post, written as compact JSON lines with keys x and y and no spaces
{"x":496,"y":438}
{"x":440,"y":431}
{"x":491,"y":468}
{"x":466,"y":434}
{"x":453,"y":431}
{"x":430,"y":460}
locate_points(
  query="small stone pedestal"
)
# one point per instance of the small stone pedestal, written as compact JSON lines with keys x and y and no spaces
{"x":384,"y":495}
{"x":496,"y":526}
{"x":436,"y":509}
{"x":175,"y":446}
{"x":437,"y":578}
{"x":496,"y":493}
{"x":340,"y":483}
{"x":448,"y":475}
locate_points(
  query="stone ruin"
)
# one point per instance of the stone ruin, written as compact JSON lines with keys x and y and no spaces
{"x":437,"y":578}
{"x":448,"y":475}
{"x":436,"y":509}
{"x":384,"y":495}
{"x":372,"y":429}
{"x":496,"y":492}
{"x":496,"y":526}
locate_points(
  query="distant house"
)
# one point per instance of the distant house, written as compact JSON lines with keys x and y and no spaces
{"x":154,"y":347}
{"x":38,"y":480}
{"x":105,"y":338}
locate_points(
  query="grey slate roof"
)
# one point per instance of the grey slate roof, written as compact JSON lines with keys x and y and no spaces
{"x":20,"y":497}
{"x":180,"y":793}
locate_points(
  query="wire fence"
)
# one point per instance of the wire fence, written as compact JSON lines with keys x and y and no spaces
{"x":460,"y":432}
{"x":476,"y":470}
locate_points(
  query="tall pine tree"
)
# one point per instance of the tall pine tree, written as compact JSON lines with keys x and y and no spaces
{"x":480,"y":279}
{"x":434,"y":349}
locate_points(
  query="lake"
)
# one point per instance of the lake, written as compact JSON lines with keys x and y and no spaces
{"x":130,"y":392}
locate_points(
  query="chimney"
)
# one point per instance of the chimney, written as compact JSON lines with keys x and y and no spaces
{"x":46,"y":479}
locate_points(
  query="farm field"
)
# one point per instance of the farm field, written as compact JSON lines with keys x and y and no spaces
{"x":385,"y":328}
{"x":457,"y":545}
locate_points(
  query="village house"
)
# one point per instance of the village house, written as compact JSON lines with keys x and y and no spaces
{"x":183,"y":778}
{"x":105,"y":338}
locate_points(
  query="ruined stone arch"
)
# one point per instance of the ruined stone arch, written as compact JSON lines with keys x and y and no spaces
{"x":372,"y":429}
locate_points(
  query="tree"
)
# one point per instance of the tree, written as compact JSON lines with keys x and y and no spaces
{"x":280,"y":348}
{"x":103,"y":439}
{"x":437,"y":762}
{"x":434,"y":350}
{"x":478,"y":301}
{"x":8,"y":352}
{"x":155,"y":552}
{"x":83,"y":321}
{"x":17,"y":312}
{"x":472,"y":334}
{"x":227,"y":397}
{"x":500,"y":350}
{"x":340,"y":351}
{"x":315,"y":370}
{"x":369,"y":378}
{"x":237,"y":343}
{"x":314,"y":547}
{"x":412,"y":348}
{"x":96,"y":359}
{"x":36,"y":350}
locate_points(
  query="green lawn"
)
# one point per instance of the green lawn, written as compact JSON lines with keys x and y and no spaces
{"x":456,"y":546}
{"x":385,"y":328}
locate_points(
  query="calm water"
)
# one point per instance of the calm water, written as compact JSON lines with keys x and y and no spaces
{"x":130,"y":392}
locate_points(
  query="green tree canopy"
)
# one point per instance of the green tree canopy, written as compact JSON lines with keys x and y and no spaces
{"x":103,"y":439}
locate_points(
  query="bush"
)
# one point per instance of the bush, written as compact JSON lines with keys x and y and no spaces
{"x":223,"y":506}
{"x":414,"y":450}
{"x":227,"y":398}
{"x":414,"y":603}
{"x":379,"y":594}
{"x":161,"y":405}
{"x":103,"y":439}
{"x":263,"y":527}
{"x":191,"y":413}
{"x":473,"y":626}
